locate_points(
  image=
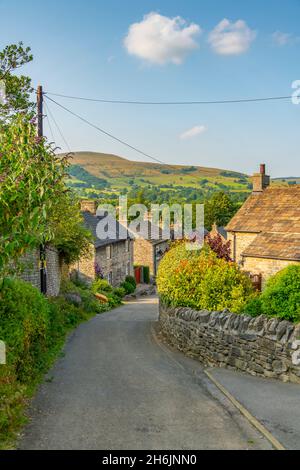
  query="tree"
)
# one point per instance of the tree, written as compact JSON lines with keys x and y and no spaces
{"x":31,"y":179}
{"x":17,"y":88}
{"x":219,"y":209}
{"x":70,"y":237}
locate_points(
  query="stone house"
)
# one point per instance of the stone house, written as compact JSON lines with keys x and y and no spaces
{"x":265,"y":232}
{"x":149,"y":249}
{"x":114,"y":255}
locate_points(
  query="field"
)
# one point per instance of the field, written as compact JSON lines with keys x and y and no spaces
{"x":92,"y":173}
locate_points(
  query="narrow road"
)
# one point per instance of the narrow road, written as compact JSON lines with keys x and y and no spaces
{"x":117,"y":387}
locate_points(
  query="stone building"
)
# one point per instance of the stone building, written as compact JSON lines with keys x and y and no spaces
{"x":113,"y":255}
{"x":150,"y":245}
{"x":265,"y":232}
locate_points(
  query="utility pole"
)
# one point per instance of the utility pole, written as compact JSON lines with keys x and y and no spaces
{"x":42,"y":263}
{"x":40,"y":111}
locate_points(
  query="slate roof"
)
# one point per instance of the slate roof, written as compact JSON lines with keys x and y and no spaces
{"x":274,"y":214}
{"x":151,"y":232}
{"x":91,"y":221}
{"x":272,"y":210}
{"x":275,"y":245}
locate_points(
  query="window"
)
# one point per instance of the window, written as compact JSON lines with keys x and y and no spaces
{"x":127,"y":245}
{"x":109,"y":252}
{"x":110,"y":277}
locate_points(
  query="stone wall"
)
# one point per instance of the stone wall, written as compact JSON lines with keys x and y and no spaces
{"x":260,"y":346}
{"x":266,"y":267}
{"x":120,"y":264}
{"x":241,"y":242}
{"x":144,"y":254}
{"x":114,"y":268}
{"x":31,"y":270}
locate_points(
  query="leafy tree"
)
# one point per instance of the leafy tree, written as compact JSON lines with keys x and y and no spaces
{"x":219,"y":209}
{"x":70,"y":236}
{"x":17,"y":88}
{"x":31,"y":179}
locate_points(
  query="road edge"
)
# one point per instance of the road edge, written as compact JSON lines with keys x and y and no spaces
{"x":254,"y":421}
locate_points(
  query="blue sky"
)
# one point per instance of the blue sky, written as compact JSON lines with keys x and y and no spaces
{"x":80,"y":49}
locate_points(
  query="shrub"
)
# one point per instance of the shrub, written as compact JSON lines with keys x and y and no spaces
{"x":24,"y":321}
{"x":281,"y":296}
{"x":201,"y":280}
{"x":119,"y":292}
{"x":101,"y":285}
{"x":128,"y":287}
{"x":131,"y":280}
{"x":81,"y":296}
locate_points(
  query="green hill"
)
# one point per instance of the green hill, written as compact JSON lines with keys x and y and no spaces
{"x":91,"y":171}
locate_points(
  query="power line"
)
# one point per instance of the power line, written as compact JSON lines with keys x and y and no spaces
{"x":171,"y":103}
{"x":105,"y":132}
{"x":49,"y":124}
{"x":58,"y":128}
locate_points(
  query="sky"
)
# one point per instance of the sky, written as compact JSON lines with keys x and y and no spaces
{"x":168,"y":50}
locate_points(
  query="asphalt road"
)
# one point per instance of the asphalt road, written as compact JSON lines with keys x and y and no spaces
{"x":117,"y":387}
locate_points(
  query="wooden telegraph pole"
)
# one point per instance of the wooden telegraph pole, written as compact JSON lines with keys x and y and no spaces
{"x":42,"y":264}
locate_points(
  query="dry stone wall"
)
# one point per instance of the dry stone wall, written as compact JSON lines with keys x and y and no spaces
{"x":260,"y":346}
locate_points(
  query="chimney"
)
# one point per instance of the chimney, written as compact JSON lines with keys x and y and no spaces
{"x":87,"y":205}
{"x":260,"y":180}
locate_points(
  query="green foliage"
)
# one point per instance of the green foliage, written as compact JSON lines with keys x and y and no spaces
{"x":18,"y":87}
{"x":24,"y":321}
{"x":101,"y":285}
{"x":88,"y":180}
{"x":70,"y":237}
{"x":128,"y":287}
{"x":201,"y":280}
{"x":31,"y":177}
{"x":119,"y":292}
{"x":34,"y":329}
{"x":218,"y":209}
{"x":131,"y":280}
{"x":281,"y":296}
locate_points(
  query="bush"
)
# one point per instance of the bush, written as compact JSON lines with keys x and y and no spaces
{"x":24,"y":321}
{"x":128,"y":287}
{"x":131,"y":280}
{"x":101,"y":285}
{"x":119,"y":292}
{"x":281,"y":296}
{"x":34,"y":330}
{"x":201,"y":280}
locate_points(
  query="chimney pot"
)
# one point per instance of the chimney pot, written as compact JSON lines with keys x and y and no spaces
{"x":88,"y":206}
{"x":262,"y":169}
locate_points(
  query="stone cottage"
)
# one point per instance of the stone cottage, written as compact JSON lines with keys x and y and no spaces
{"x":265,"y":232}
{"x":149,"y":249}
{"x":113,"y":256}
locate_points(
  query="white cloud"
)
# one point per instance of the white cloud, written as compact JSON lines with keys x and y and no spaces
{"x":193,"y":132}
{"x":160,"y":40}
{"x":229,"y":38}
{"x":284,"y":39}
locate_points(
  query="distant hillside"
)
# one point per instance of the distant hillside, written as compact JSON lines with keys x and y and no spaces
{"x":113,"y":173}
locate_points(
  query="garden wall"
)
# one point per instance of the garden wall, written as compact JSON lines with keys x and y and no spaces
{"x":260,"y":346}
{"x":31,"y":270}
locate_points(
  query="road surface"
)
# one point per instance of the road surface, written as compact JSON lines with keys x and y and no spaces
{"x":118,"y":387}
